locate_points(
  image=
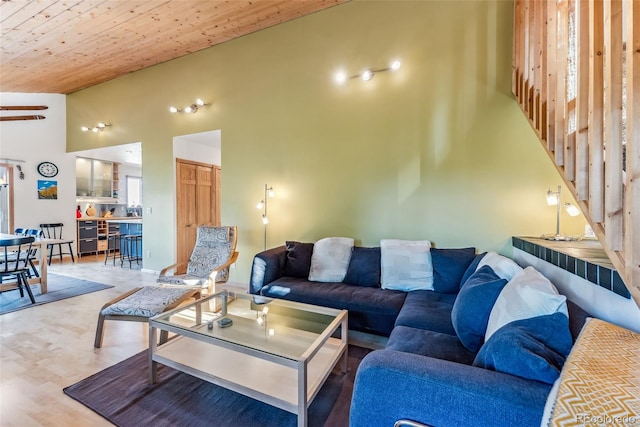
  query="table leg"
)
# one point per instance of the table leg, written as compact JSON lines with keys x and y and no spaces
{"x":153,"y":347}
{"x":343,"y":335}
{"x":302,"y":393}
{"x":43,"y":269}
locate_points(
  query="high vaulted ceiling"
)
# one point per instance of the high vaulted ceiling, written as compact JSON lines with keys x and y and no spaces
{"x":61,"y":46}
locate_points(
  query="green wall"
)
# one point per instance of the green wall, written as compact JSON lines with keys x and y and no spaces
{"x":438,"y":150}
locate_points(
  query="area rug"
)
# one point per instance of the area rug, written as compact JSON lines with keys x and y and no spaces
{"x":58,"y":288}
{"x":123,"y":395}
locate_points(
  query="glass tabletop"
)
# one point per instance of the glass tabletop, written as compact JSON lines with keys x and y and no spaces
{"x":282,"y":328}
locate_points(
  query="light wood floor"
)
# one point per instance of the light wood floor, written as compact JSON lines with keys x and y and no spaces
{"x":46,"y":348}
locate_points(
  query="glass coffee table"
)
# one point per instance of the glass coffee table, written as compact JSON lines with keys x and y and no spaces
{"x":276,"y":351}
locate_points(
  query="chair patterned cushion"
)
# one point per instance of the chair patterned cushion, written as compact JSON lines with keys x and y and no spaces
{"x":180,"y":279}
{"x":147,"y":302}
{"x":214,"y":246}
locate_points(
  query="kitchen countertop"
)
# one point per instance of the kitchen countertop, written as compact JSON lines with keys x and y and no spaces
{"x":125,"y":220}
{"x":134,"y":219}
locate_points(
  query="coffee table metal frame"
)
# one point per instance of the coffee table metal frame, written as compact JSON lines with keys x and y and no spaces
{"x":278,"y":379}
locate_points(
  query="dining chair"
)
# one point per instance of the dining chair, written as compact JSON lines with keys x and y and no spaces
{"x":33,"y":252}
{"x":14,"y":262}
{"x":54,"y":231}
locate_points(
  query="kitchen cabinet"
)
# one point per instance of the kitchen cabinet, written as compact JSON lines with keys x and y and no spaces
{"x":87,"y":237}
{"x":92,"y":235}
{"x":94,"y":178}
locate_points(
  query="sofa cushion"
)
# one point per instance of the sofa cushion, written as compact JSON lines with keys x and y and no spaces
{"x":504,"y":267}
{"x":533,"y":348}
{"x":430,"y":344}
{"x":473,"y":305}
{"x":449,"y":266}
{"x":427,"y":310}
{"x":406,"y":264}
{"x":330,"y":259}
{"x":472,"y":268}
{"x":298,"y":259}
{"x":364,"y":267}
{"x":371,"y":310}
{"x":528,"y":294}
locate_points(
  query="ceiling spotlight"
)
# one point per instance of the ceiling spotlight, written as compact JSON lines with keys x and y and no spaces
{"x":97,"y":128}
{"x":341,"y":77}
{"x":199,"y":102}
{"x":367,"y":75}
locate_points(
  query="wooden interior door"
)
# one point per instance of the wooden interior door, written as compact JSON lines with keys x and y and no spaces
{"x":197,"y":202}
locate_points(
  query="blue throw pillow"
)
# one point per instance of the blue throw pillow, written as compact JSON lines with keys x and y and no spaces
{"x":533,"y":348}
{"x":364,"y":267}
{"x":472,"y":268}
{"x":472,"y":307}
{"x":448,"y":267}
{"x":298,"y":261}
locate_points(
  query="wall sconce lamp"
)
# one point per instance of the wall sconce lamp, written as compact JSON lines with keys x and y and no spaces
{"x":554,"y":199}
{"x":97,"y":128}
{"x":341,"y":77}
{"x":193,"y":108}
{"x":262,"y":204}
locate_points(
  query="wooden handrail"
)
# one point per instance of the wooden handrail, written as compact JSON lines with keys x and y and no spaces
{"x":576,"y":77}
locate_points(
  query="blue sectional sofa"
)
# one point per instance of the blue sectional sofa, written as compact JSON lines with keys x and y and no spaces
{"x":436,"y":368}
{"x":283,"y":272}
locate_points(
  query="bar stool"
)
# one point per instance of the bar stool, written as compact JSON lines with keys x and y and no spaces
{"x":113,"y":248}
{"x":132,"y":245}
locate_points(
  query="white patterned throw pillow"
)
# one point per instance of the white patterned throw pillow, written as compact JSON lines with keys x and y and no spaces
{"x":529,"y":294}
{"x":330,"y":259}
{"x":406,"y":264}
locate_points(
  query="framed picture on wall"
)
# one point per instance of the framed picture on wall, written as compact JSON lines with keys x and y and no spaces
{"x":47,"y":189}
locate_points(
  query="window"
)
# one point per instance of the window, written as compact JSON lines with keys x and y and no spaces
{"x":134,"y":191}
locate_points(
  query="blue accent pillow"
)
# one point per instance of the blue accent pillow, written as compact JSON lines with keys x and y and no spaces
{"x":534,"y":348}
{"x":448,"y":267}
{"x":472,"y":307}
{"x":364,"y":267}
{"x":472,"y":268}
{"x":298,"y":261}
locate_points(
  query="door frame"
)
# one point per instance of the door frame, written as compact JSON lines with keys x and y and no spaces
{"x":9,"y":189}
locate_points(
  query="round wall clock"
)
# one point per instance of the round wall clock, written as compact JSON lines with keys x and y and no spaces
{"x":47,"y":169}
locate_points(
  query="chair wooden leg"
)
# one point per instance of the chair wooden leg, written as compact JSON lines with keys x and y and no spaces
{"x":164,"y":336}
{"x":50,"y":253}
{"x":71,"y":253}
{"x":22,"y":277}
{"x":97,"y":343}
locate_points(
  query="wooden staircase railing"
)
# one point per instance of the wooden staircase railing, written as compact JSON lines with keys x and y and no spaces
{"x":576,"y":76}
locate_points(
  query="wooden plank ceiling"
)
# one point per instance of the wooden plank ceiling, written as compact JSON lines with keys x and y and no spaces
{"x":61,"y":46}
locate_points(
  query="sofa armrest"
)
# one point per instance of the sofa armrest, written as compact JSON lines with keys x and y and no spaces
{"x":392,"y":385}
{"x":267,"y":266}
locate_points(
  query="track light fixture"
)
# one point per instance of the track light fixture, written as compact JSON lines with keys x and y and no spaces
{"x":341,"y":77}
{"x":189,"y":108}
{"x":97,"y":128}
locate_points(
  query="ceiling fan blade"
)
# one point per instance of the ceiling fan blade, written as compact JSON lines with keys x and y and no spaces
{"x":22,"y":107}
{"x":11,"y":118}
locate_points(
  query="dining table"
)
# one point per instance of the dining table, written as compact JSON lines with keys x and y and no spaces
{"x":41,"y":244}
